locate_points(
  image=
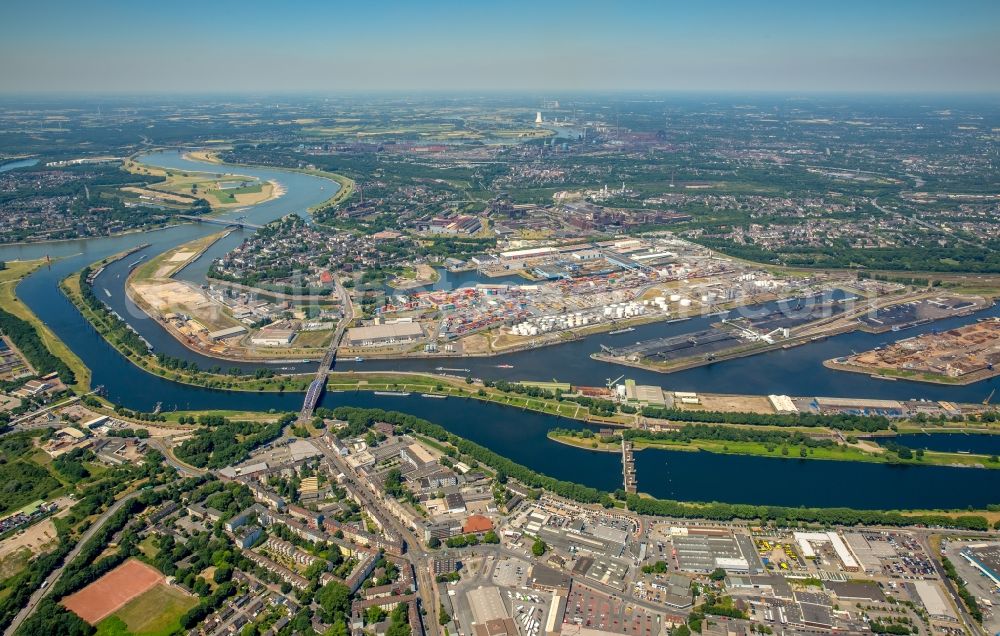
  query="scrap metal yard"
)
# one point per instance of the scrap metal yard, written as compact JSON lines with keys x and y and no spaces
{"x":957,"y":356}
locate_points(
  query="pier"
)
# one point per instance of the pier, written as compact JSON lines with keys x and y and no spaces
{"x":628,"y":467}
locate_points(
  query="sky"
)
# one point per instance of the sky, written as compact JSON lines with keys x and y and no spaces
{"x":220,"y":46}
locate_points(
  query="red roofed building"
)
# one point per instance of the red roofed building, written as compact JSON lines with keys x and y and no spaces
{"x":477,"y":524}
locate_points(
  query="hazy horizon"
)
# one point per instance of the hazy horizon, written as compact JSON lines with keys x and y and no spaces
{"x":914,"y":47}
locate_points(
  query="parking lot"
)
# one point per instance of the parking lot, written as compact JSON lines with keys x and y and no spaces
{"x":511,"y":573}
{"x":588,"y":608}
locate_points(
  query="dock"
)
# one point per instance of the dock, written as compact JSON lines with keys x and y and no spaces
{"x":628,"y":467}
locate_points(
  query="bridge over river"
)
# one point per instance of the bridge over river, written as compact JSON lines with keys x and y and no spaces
{"x":239,"y":222}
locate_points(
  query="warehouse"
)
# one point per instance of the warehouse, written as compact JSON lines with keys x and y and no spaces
{"x":535,"y":252}
{"x":986,"y":559}
{"x":806,"y":539}
{"x":782,"y":404}
{"x":854,"y":406}
{"x":273,"y":337}
{"x":704,"y":552}
{"x":381,"y":335}
{"x":222,"y":334}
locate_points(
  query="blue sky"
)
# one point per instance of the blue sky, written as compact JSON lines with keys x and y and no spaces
{"x":276,"y":46}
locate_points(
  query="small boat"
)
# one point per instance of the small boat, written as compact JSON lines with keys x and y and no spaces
{"x":358,"y":359}
{"x":106,"y":291}
{"x":618,"y":331}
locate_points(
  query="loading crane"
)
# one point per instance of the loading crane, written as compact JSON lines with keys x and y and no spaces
{"x":611,"y":383}
{"x":989,"y":397}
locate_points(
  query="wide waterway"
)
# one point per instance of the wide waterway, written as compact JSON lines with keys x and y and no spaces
{"x":521,"y":435}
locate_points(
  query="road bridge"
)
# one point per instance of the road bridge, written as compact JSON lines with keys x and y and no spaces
{"x":315,"y":390}
{"x":239,"y":222}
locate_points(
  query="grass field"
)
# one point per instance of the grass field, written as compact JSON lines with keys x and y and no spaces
{"x":207,"y":186}
{"x":157,"y":612}
{"x":9,"y":278}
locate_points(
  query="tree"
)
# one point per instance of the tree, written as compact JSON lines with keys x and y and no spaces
{"x":538,"y":548}
{"x":434,"y":543}
{"x":335,"y":599}
{"x":339,"y":628}
{"x":222,"y":574}
{"x":374,"y":615}
{"x":718,"y":574}
{"x":443,"y":617}
{"x":394,"y":482}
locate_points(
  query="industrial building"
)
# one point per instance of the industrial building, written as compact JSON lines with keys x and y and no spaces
{"x":805,"y":541}
{"x":381,"y":335}
{"x":933,"y":600}
{"x":644,"y":394}
{"x":222,"y":334}
{"x":273,"y":337}
{"x":486,"y":604}
{"x":709,"y":550}
{"x":782,"y":404}
{"x":986,"y":559}
{"x":857,"y":406}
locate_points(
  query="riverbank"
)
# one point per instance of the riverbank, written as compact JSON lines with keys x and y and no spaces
{"x":188,"y":313}
{"x":445,"y":387}
{"x":909,"y":376}
{"x":642,"y":504}
{"x":112,"y":330}
{"x":840,"y":452}
{"x":10,"y":277}
{"x":346,"y":184}
{"x":185,"y":187}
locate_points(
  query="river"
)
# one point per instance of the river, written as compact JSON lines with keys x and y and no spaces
{"x":521,"y":435}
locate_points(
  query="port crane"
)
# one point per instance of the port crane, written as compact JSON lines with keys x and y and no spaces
{"x":611,"y":383}
{"x":989,"y":397}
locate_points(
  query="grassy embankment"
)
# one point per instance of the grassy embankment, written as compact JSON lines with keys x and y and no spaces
{"x":107,"y":326}
{"x":343,"y":193}
{"x":846,"y":453}
{"x":183,"y":186}
{"x":438,"y":385}
{"x":14,"y":273}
